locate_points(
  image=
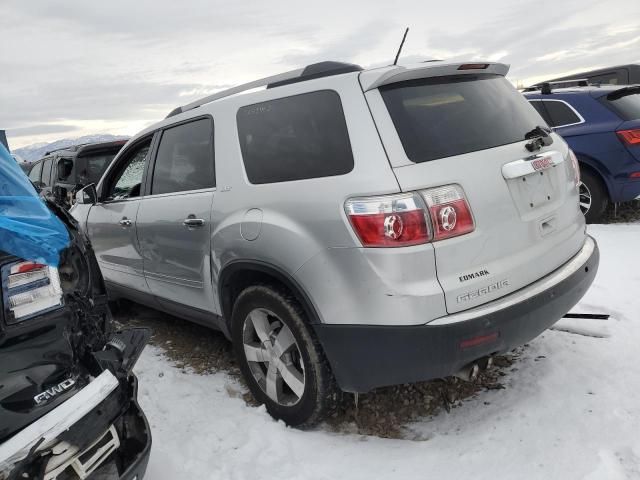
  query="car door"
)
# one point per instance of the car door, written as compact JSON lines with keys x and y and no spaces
{"x":111,"y":223}
{"x":174,"y":221}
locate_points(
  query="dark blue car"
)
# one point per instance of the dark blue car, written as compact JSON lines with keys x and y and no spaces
{"x":601,"y":124}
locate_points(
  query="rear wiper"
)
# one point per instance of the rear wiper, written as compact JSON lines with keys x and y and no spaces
{"x":540,"y":136}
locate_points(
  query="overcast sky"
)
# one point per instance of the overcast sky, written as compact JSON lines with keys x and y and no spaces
{"x":70,"y":68}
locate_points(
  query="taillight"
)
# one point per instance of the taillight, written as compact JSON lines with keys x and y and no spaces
{"x":410,"y":218}
{"x":630,"y":137}
{"x":576,"y":167}
{"x":449,"y":211}
{"x":30,"y":288}
{"x":389,"y":221}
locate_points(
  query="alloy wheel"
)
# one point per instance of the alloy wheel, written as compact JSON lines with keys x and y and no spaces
{"x":274,"y":357}
{"x":585,"y":198}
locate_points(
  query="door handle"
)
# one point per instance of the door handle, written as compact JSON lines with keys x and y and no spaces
{"x":125,"y":222}
{"x":191,"y":222}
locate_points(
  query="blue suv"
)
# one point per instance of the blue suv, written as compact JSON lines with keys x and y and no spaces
{"x":601,"y":124}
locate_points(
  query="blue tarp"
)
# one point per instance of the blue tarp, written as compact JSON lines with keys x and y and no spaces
{"x":28,"y":229}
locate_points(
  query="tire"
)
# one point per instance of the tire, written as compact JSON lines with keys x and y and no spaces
{"x":593,"y":197}
{"x":261,"y":315}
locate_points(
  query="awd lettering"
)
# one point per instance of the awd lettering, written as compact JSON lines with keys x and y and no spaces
{"x":49,"y":393}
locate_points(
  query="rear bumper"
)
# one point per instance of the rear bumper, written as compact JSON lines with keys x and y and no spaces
{"x":364,"y":357}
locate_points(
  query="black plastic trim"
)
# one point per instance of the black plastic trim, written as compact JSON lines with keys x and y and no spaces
{"x":364,"y":357}
{"x":271,"y":270}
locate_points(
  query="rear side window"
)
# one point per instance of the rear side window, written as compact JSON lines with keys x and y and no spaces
{"x":185,"y":158}
{"x":539,"y":106}
{"x":625,"y":103}
{"x":295,"y":138}
{"x":445,"y":116}
{"x":560,"y":113}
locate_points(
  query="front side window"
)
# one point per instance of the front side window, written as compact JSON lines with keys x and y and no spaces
{"x":185,"y":158}
{"x":128,"y":180}
{"x":445,"y":116}
{"x":46,"y":172}
{"x":295,"y":138}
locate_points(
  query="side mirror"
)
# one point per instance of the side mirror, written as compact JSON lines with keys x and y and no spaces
{"x":88,"y":195}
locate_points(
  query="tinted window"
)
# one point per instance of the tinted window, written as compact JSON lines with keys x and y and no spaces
{"x":445,"y":116}
{"x":560,"y":114}
{"x":185,"y":158}
{"x":34,"y":174}
{"x":626,"y":104}
{"x":93,"y":167}
{"x":539,"y":106}
{"x":46,"y":172}
{"x":128,"y":180}
{"x":618,"y":77}
{"x":294,"y":138}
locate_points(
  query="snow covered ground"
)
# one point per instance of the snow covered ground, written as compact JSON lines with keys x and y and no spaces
{"x":573,"y":414}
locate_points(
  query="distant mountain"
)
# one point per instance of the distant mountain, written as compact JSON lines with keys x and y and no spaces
{"x":36,"y":151}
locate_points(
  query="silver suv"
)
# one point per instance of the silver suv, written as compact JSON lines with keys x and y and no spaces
{"x":347,"y":228}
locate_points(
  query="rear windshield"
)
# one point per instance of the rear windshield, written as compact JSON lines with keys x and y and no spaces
{"x":444,"y":116}
{"x":94,"y":166}
{"x":626,"y":104}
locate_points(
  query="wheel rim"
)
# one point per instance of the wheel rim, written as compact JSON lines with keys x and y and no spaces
{"x":273,"y":357}
{"x":585,"y":198}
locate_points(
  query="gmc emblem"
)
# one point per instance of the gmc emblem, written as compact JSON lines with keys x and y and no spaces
{"x":542,"y":163}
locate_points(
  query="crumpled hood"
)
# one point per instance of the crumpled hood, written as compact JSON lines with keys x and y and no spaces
{"x":28,"y":229}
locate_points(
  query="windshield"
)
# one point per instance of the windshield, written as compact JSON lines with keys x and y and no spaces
{"x":446,"y":116}
{"x":625,"y":103}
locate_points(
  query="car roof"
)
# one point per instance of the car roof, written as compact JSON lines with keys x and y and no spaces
{"x":369,"y":79}
{"x":84,"y":148}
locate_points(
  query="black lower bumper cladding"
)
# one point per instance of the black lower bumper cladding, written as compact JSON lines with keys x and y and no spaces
{"x":364,"y":357}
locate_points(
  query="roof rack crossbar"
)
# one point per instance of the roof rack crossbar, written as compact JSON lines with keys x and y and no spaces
{"x":263,"y":82}
{"x":572,"y":80}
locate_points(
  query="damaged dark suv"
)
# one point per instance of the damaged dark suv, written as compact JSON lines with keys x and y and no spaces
{"x":68,"y":398}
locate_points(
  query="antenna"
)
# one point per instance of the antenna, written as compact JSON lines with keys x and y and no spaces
{"x":404,"y":37}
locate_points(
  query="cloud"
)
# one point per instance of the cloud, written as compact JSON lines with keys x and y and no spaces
{"x":41,"y":130}
{"x":111,"y":64}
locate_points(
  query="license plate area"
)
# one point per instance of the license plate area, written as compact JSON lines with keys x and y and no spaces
{"x":535,"y":183}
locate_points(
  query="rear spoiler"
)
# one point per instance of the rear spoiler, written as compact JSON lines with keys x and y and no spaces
{"x":623,"y":92}
{"x":371,"y":79}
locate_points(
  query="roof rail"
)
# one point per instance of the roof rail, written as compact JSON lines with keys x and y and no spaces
{"x":546,"y":87}
{"x":71,"y":148}
{"x":316,"y":70}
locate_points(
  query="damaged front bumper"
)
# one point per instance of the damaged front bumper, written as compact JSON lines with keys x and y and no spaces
{"x":100,"y":432}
